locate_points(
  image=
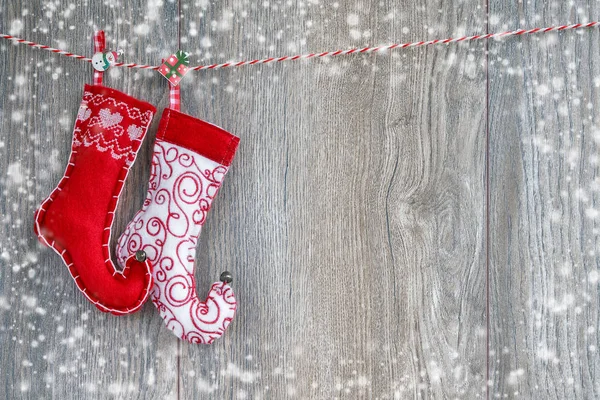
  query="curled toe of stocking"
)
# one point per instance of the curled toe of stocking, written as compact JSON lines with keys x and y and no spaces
{"x":207,"y":320}
{"x":137,"y":278}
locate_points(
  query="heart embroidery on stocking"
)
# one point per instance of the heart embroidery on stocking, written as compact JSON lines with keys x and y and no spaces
{"x":109,"y":119}
{"x":84,"y":113}
{"x":134,"y":131}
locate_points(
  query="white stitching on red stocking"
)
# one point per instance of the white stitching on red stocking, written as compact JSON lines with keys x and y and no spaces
{"x":89,"y":102}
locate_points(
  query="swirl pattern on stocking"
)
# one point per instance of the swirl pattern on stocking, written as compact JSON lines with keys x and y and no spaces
{"x":182,"y":187}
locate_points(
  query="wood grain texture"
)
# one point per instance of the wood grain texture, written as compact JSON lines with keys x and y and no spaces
{"x":354,"y":215}
{"x":544,"y":196}
{"x":54,"y":343}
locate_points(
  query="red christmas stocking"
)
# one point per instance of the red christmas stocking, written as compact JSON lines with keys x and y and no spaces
{"x":76,"y":219}
{"x":190,"y":160}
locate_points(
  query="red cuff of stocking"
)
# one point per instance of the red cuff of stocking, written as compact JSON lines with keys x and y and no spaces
{"x":201,"y":137}
{"x":120,"y":96}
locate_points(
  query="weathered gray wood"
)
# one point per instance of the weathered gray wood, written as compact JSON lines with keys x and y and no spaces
{"x":544,"y":190}
{"x":352,"y":217}
{"x":54,"y":344}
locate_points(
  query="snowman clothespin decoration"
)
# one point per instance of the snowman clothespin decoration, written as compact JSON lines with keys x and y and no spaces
{"x":105,"y":59}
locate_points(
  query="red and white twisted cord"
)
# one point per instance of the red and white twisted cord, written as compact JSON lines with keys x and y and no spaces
{"x":364,"y":50}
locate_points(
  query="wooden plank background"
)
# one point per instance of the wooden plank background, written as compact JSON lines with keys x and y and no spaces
{"x":421,"y":224}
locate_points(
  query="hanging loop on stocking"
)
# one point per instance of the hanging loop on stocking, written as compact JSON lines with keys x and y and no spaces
{"x":174,"y":97}
{"x":99,"y":45}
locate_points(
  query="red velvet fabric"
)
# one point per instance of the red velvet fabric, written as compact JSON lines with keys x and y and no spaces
{"x":201,"y":137}
{"x":76,"y":219}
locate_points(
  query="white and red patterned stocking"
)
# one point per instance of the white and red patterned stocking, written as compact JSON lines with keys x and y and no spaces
{"x":190,"y":160}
